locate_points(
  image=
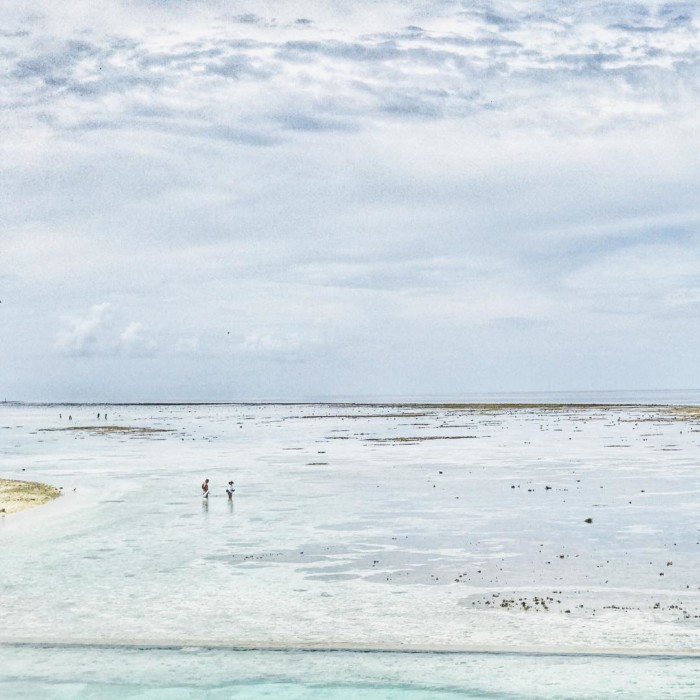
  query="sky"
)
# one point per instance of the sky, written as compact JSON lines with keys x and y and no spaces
{"x":210,"y":200}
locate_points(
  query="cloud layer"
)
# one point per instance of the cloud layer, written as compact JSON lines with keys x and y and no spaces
{"x":256,"y":80}
{"x":324,"y":199}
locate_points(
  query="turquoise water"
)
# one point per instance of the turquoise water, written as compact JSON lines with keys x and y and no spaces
{"x":76,"y":673}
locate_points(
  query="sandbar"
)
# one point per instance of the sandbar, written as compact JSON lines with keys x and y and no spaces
{"x":20,"y":495}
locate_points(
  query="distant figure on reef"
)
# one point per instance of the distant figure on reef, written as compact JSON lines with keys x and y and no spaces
{"x":105,"y":416}
{"x":230,"y":490}
{"x":98,"y":416}
{"x":205,"y":488}
{"x":70,"y":417}
{"x":60,"y":415}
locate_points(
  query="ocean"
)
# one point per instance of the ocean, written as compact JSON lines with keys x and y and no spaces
{"x":399,"y":550}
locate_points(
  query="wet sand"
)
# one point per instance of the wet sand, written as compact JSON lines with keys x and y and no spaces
{"x":20,"y":495}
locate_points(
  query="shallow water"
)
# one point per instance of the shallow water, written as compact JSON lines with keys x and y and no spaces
{"x":352,"y":526}
{"x":90,"y":672}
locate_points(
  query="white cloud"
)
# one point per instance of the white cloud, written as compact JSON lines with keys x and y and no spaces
{"x":99,"y":332}
{"x":87,"y":335}
{"x":271,"y":343}
{"x":133,"y":340}
{"x":198,"y":73}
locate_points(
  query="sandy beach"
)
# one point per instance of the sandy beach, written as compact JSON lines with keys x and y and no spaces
{"x":20,"y":495}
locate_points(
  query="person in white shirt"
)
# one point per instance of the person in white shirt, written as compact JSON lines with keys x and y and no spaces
{"x":230,"y":490}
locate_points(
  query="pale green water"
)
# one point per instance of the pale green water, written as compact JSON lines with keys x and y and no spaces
{"x":77,"y":673}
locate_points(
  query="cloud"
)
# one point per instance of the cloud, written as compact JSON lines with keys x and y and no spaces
{"x":87,"y":335}
{"x":99,"y":333}
{"x":382,"y":192}
{"x":277,"y":344}
{"x":231,"y":72}
{"x":297,"y":121}
{"x":134,"y":341}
